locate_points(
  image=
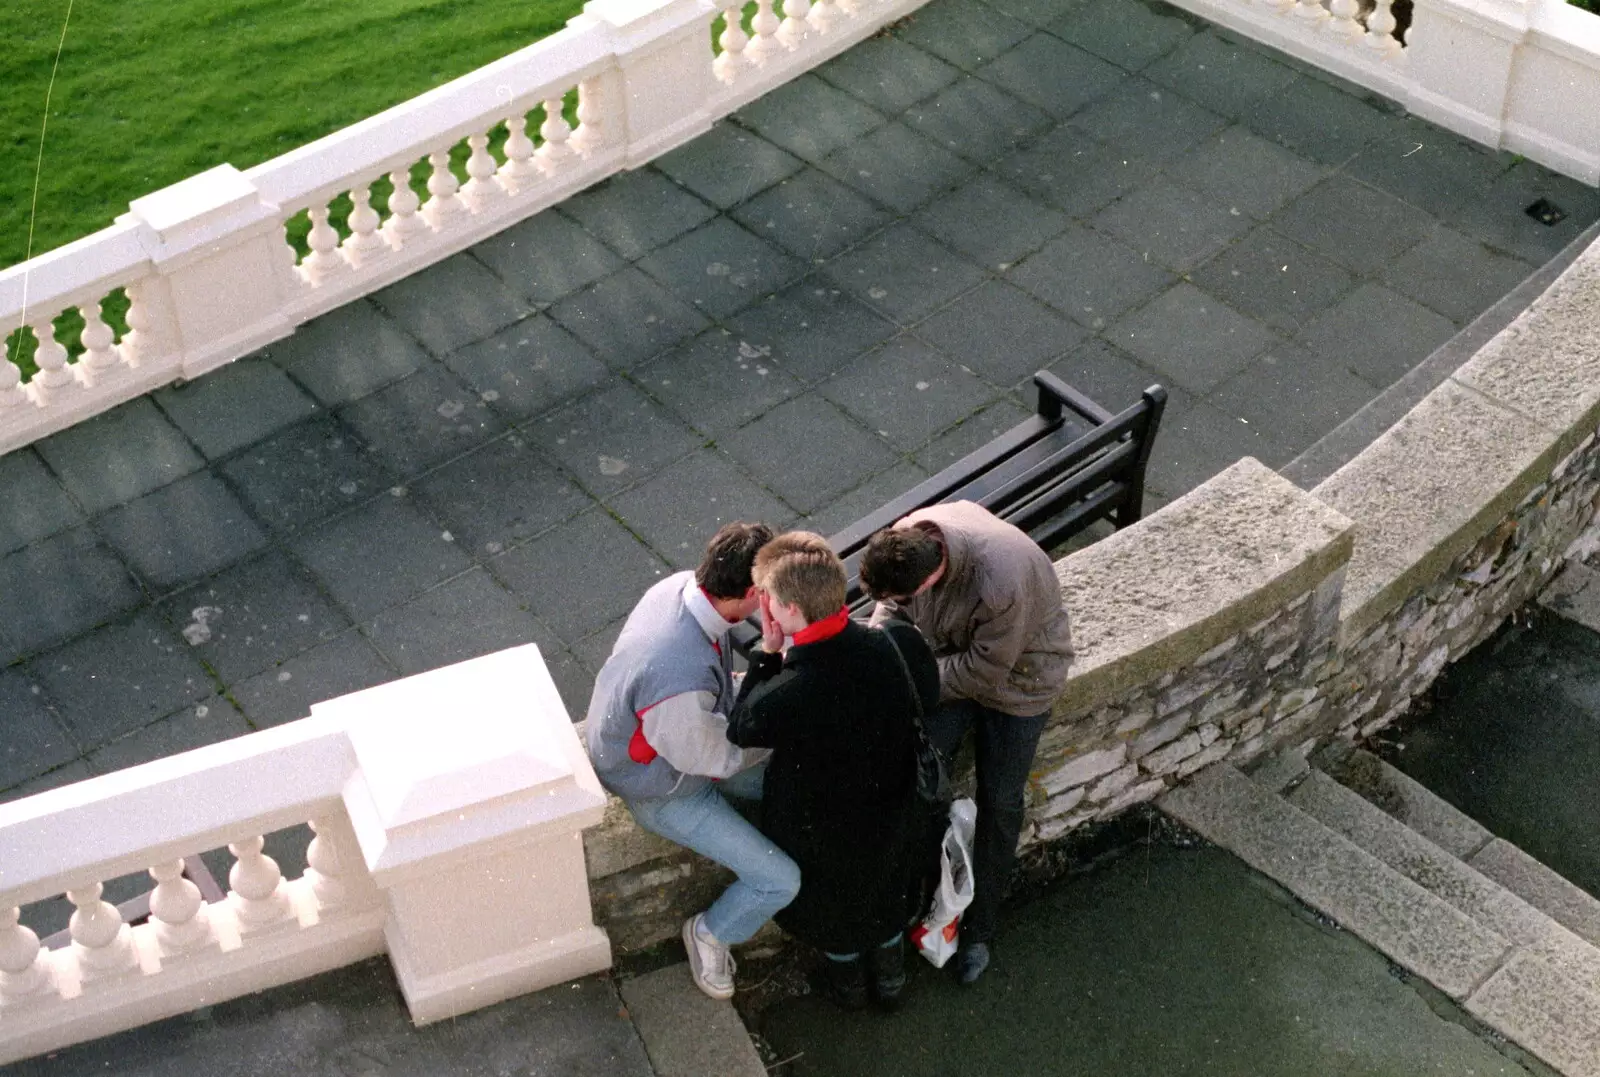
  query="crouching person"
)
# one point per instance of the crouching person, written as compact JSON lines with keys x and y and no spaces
{"x":658,"y":738}
{"x":838,"y":710}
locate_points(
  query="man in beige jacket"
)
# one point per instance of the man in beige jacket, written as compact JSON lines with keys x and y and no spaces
{"x":986,"y":598}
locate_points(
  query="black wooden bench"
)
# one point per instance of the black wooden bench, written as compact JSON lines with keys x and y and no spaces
{"x":1054,"y":474}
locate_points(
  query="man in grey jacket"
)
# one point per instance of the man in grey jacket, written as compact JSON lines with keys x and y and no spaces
{"x":657,"y":733}
{"x":986,"y":598}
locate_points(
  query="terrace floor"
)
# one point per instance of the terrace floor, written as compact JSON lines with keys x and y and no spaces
{"x":802,"y":312}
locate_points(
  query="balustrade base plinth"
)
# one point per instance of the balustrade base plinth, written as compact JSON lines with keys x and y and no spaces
{"x":533,"y":967}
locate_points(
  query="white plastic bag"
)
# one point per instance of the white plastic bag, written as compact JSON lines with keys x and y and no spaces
{"x":935,"y":937}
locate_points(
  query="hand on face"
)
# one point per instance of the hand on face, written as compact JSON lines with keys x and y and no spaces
{"x":771,"y":632}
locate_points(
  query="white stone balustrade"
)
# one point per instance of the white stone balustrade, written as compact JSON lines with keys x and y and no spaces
{"x":447,"y":812}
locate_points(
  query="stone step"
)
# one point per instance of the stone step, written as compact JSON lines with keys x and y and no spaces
{"x":1565,"y":903}
{"x":685,"y":1033}
{"x":1414,"y":927}
{"x":1532,"y":1003}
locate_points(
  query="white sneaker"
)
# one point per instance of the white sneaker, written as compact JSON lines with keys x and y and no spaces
{"x":710,"y":963}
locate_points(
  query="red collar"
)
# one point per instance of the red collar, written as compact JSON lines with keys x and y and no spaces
{"x":827,"y":628}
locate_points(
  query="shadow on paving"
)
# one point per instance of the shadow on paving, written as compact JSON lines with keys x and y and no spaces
{"x":352,"y":1023}
{"x":1171,"y":961}
{"x":1513,"y":740}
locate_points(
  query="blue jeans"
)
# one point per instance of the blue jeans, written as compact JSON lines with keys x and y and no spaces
{"x":705,"y":822}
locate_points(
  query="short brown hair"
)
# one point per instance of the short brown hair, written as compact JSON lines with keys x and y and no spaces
{"x":800,"y":568}
{"x":724,"y":571}
{"x":898,"y":560}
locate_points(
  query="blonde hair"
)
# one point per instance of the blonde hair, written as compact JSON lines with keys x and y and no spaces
{"x":799,"y":568}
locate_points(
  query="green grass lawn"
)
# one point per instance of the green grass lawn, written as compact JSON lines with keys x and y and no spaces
{"x":152,"y":91}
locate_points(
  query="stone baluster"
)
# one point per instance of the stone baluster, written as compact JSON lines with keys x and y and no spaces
{"x":334,"y":869}
{"x":404,"y":220}
{"x":733,"y":41}
{"x":324,"y":261}
{"x":1380,"y":29}
{"x":793,"y":28}
{"x":1310,"y":10}
{"x":54,"y":376}
{"x":178,"y":912}
{"x":99,"y":342}
{"x":765,"y":44}
{"x":824,"y":14}
{"x":1282,"y":7}
{"x":519,"y":170}
{"x":101,"y":942}
{"x":481,"y":191}
{"x":591,"y":131}
{"x":555,"y":131}
{"x":12,"y":394}
{"x":444,"y":205}
{"x":365,"y":242}
{"x":136,"y":340}
{"x":25,"y":971}
{"x":1344,"y":21}
{"x":258,"y":897}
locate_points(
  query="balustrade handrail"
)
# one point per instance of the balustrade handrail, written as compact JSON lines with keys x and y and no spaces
{"x":80,"y":271}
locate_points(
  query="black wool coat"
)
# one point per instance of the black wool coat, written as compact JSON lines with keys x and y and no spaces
{"x":840,"y":795}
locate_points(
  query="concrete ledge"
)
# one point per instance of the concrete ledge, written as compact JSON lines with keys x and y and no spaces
{"x":1530,"y":1002}
{"x":1566,"y":904}
{"x":1413,"y":804}
{"x":1424,"y":493}
{"x":685,"y":1033}
{"x":1223,"y":557}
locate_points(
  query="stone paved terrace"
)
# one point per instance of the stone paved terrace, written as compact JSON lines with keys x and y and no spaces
{"x":795,"y":316}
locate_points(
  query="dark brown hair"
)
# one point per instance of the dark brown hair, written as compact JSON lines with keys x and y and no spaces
{"x":898,"y":560}
{"x":724,"y":571}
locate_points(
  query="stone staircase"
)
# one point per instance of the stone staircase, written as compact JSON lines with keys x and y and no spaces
{"x":1514,"y":943}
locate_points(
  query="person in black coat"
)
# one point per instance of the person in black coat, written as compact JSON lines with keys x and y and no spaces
{"x":840,"y":794}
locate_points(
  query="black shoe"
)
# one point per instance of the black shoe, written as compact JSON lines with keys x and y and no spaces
{"x":970,"y":963}
{"x":888,"y":974}
{"x":847,"y":983}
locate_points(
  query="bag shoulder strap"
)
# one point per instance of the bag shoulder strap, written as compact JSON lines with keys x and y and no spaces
{"x":916,"y":696}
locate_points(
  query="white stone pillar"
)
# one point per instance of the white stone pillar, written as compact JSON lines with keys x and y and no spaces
{"x":223,"y":260}
{"x":469,"y":801}
{"x":1460,"y":54}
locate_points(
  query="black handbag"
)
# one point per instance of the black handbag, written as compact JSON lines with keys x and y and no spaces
{"x":933,"y":780}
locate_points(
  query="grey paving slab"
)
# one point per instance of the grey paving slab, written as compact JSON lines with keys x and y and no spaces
{"x":300,"y":477}
{"x":888,"y":74}
{"x":613,"y":439}
{"x":728,"y":165}
{"x":347,"y":353}
{"x":871,"y":494}
{"x":59,"y":587}
{"x":343,"y":555}
{"x":1455,"y":275}
{"x":120,"y":678}
{"x":627,"y":318}
{"x":812,"y":328}
{"x":963,"y":32}
{"x":897,"y":167}
{"x":977,"y":119}
{"x":574,"y":681}
{"x":721,"y":267}
{"x":1090,"y":276}
{"x":1318,"y":121}
{"x":991,"y":222}
{"x":209,"y":721}
{"x":1194,"y":338}
{"x":1292,"y":395}
{"x":1275,"y":279}
{"x":54,"y":779}
{"x":907,"y":391}
{"x":1047,"y":72}
{"x":463,"y":618}
{"x":1377,"y":333}
{"x":1220,"y":73}
{"x":678,"y":510}
{"x":636,"y":212}
{"x":35,"y":505}
{"x":1500,"y":217}
{"x":686,"y":1033}
{"x":1130,"y":35}
{"x":451,"y":303}
{"x":593,"y":650}
{"x":1144,"y":120}
{"x":1172,"y":225}
{"x":499,"y":495}
{"x":970,"y":434}
{"x":1244,"y":171}
{"x":1000,"y":332}
{"x":842,"y":453}
{"x":809,"y":117}
{"x":1428,"y":167}
{"x":347,"y":663}
{"x":904,"y":273}
{"x":812,"y":216}
{"x":253,"y":616}
{"x":236,"y":406}
{"x":581,"y":575}
{"x":717,"y":381}
{"x":1355,"y":225}
{"x":35,"y":740}
{"x":1112,"y":377}
{"x":1198,"y":440}
{"x":1073,"y":172}
{"x":1544,"y":1011}
{"x":189,"y":529}
{"x":428,"y":417}
{"x":118,"y":456}
{"x":527,"y":368}
{"x":546,"y":257}
{"x":1038,"y":13}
